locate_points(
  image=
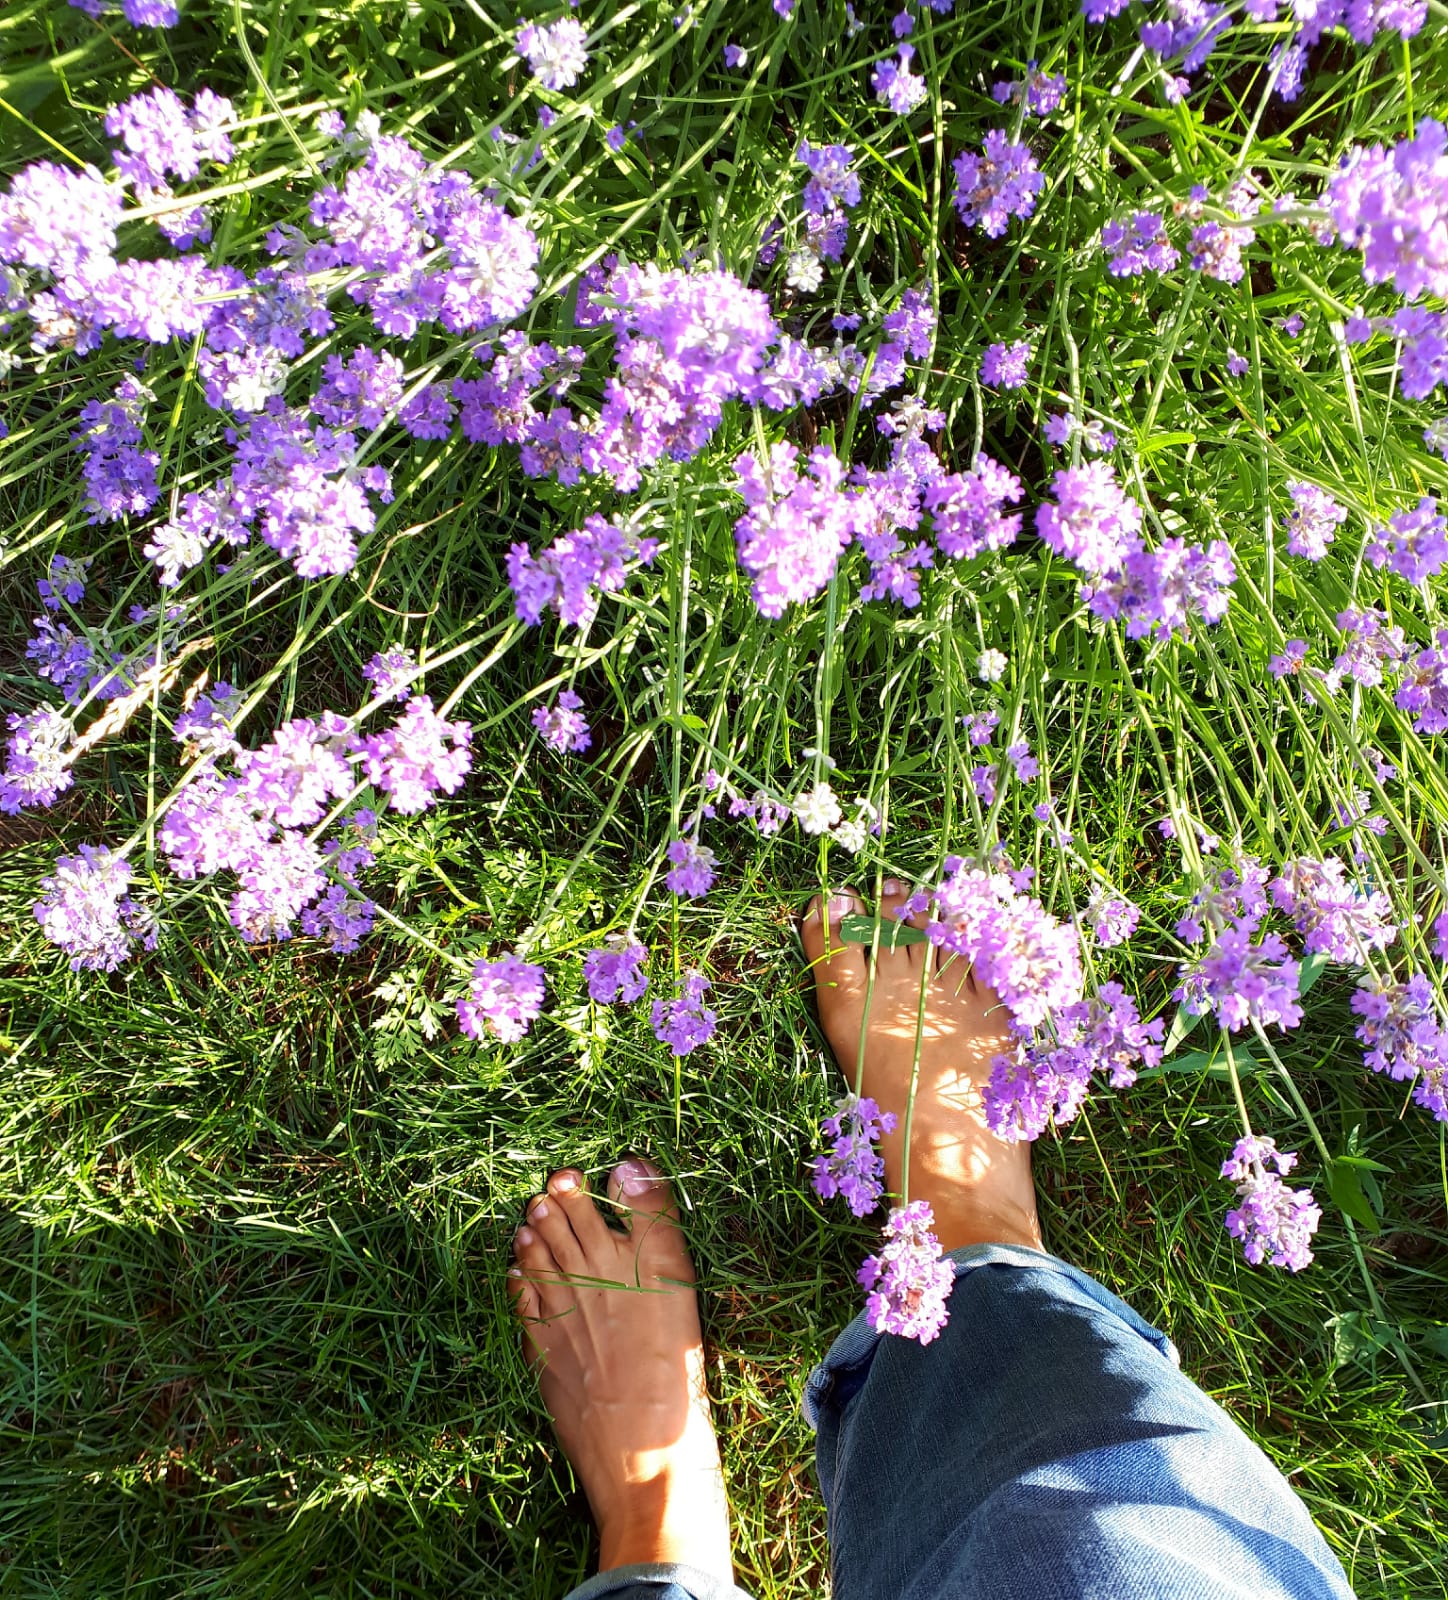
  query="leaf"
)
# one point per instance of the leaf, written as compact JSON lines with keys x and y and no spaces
{"x":1181,"y":1025}
{"x":1310,"y":970}
{"x":861,"y":930}
{"x":1437,"y":1340}
{"x":1212,"y":1063}
{"x":1346,"y":1189}
{"x":1356,"y":1336}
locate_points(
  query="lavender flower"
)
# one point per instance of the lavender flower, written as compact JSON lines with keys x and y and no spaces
{"x":571,"y":574}
{"x":37,"y":769}
{"x":794,"y":527}
{"x":1424,"y":689}
{"x":343,"y":920}
{"x":1414,"y":544}
{"x":1004,"y":366}
{"x":1273,"y":1222}
{"x":1046,"y":1080}
{"x":1392,"y":204}
{"x":562,"y":725}
{"x":968,"y":510}
{"x":85,"y":908}
{"x":1158,"y":592}
{"x":1314,"y":517}
{"x":555,"y":51}
{"x":1043,"y":92}
{"x":64,"y":583}
{"x":120,"y":477}
{"x":1289,"y":663}
{"x":1112,"y":917}
{"x":163,"y":139}
{"x":990,"y":666}
{"x":61,"y":221}
{"x":908,"y":1283}
{"x":1242,"y":982}
{"x":390,"y":672}
{"x":1013,"y":944}
{"x":418,"y":756}
{"x":833,"y":182}
{"x":851,"y":1167}
{"x":504,"y":997}
{"x":615,"y":971}
{"x":1000,"y":183}
{"x":1093,"y":523}
{"x":1403,"y":1037}
{"x":692,"y":874}
{"x":896,"y":86}
{"x":1336,"y":919}
{"x":685,"y":1022}
{"x":1370,"y":649}
{"x":1138,"y":245}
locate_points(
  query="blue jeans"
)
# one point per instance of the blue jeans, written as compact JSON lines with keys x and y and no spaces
{"x":1045,"y":1447}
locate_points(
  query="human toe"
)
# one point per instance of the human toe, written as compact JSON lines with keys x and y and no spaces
{"x":645,"y":1200}
{"x":838,"y":967}
{"x":548,"y":1219}
{"x":568,"y":1189}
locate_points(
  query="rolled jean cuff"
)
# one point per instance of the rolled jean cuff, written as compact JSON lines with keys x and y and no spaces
{"x":657,"y":1580}
{"x":851,"y":1353}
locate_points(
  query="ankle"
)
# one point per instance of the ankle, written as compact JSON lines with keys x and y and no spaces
{"x":662,"y":1522}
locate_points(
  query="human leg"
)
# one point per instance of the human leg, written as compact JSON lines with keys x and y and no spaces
{"x":1046,"y":1445}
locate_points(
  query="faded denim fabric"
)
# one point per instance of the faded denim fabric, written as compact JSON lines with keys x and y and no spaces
{"x":1045,"y":1446}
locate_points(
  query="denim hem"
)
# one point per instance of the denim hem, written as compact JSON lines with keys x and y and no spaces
{"x":697,"y":1583}
{"x":856,"y":1344}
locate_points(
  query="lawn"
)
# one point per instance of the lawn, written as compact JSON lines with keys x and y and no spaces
{"x":258,"y":1193}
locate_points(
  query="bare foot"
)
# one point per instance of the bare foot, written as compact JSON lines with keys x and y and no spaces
{"x":611,"y":1322}
{"x":979,"y":1187}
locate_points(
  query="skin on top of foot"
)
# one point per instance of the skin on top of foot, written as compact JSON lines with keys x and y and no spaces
{"x":610,"y":1316}
{"x":979,"y":1187}
{"x":611,"y":1324}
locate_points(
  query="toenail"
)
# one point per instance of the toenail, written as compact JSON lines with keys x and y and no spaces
{"x":539,"y":1212}
{"x":893,"y":886}
{"x":841,"y":906}
{"x":635,"y":1178}
{"x":564,"y":1183}
{"x":525,"y":1236}
{"x":515,"y":1272}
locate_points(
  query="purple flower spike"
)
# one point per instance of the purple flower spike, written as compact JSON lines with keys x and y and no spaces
{"x":84,"y":907}
{"x":421,"y":754}
{"x":908,"y":1283}
{"x":692,"y":874}
{"x":685,"y":1022}
{"x":1000,"y":183}
{"x":1243,"y":982}
{"x":1414,"y":544}
{"x":1003,"y":366}
{"x":562,"y":725}
{"x":851,"y":1166}
{"x":504,"y":997}
{"x":1403,"y":1037}
{"x":615,"y":971}
{"x":1312,"y":523}
{"x":1274,"y":1223}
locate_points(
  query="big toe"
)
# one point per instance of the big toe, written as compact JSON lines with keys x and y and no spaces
{"x":840,"y":969}
{"x":646,"y":1204}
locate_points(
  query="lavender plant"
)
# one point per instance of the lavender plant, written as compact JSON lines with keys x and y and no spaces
{"x":748,"y":478}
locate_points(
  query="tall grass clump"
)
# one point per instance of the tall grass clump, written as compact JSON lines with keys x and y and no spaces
{"x":496,"y":513}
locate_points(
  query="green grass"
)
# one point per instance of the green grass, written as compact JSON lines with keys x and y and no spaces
{"x":257,"y":1202}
